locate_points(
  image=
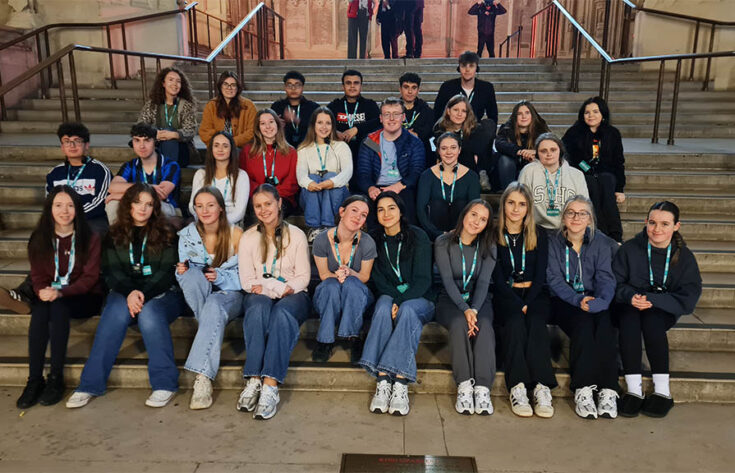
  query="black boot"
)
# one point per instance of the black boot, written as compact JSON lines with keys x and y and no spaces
{"x":54,"y":391}
{"x":31,"y":393}
{"x":322,"y":353}
{"x":355,"y":350}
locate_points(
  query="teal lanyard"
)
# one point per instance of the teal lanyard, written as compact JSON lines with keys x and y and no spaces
{"x":298,"y":112}
{"x":273,"y":266}
{"x":578,"y":283}
{"x":666,"y":266}
{"x":397,"y":268}
{"x":523,"y":254}
{"x":323,"y":162}
{"x":336,"y":249}
{"x":68,"y":175}
{"x":227,"y":188}
{"x":351,"y":122}
{"x":142,"y":252}
{"x":454,"y":181}
{"x":409,"y":124}
{"x":394,"y":164}
{"x":551,"y":192}
{"x":64,"y":280}
{"x":471,"y":96}
{"x":465,"y":277}
{"x":142,"y":171}
{"x":170,"y":121}
{"x":273,"y":168}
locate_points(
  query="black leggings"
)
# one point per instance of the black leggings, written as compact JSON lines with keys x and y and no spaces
{"x":602,"y":194}
{"x":50,"y":320}
{"x":653,"y":324}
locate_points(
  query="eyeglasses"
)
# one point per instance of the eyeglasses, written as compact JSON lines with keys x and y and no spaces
{"x":229,"y":85}
{"x":392,"y":116}
{"x":69,"y":143}
{"x":294,"y":86}
{"x":571,"y":214}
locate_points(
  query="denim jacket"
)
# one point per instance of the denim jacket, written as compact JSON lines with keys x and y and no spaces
{"x":192,"y":248}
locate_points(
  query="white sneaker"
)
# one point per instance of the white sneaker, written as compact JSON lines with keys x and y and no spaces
{"x":485,"y":181}
{"x":268,"y":403}
{"x":607,"y":404}
{"x":78,"y":399}
{"x":201,"y":398}
{"x":159,"y":398}
{"x":483,"y":403}
{"x":584,"y":400}
{"x":399,"y":404}
{"x":519,"y":401}
{"x":465,"y":400}
{"x":542,"y":406}
{"x":313,"y":233}
{"x":381,"y":398}
{"x":249,"y":396}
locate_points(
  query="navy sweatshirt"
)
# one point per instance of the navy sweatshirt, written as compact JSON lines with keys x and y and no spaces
{"x":92,"y":185}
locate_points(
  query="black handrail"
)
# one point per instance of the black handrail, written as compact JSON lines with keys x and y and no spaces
{"x":506,"y":42}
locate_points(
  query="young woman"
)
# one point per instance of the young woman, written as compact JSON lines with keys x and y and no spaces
{"x":516,"y":139}
{"x":275,"y":272}
{"x":445,"y":188}
{"x":207,"y":274}
{"x":582,"y":285}
{"x":323,"y":170}
{"x":65,"y":267}
{"x":138,"y":257}
{"x":658,"y":281}
{"x":344,"y":257}
{"x":475,"y":138}
{"x":269,"y":159}
{"x":466,"y":259}
{"x":596,"y":148}
{"x":551,"y":181}
{"x":171,"y":108}
{"x":229,"y":112}
{"x":402,"y":275}
{"x":522,"y":304}
{"x":222,"y":170}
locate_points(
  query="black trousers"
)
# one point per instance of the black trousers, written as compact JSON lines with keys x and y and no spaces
{"x":418,"y":35}
{"x":486,"y":40}
{"x":388,"y":37}
{"x":471,"y":357}
{"x":50,"y":321}
{"x":653,"y":325}
{"x":357,"y":27}
{"x":592,"y":354}
{"x":524,"y":340}
{"x":602,"y":194}
{"x":404,"y":12}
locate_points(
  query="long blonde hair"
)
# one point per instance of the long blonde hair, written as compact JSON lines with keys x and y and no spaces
{"x":259,"y":145}
{"x":530,"y":239}
{"x":281,"y":236}
{"x":224,"y":231}
{"x":470,"y":122}
{"x":310,"y":138}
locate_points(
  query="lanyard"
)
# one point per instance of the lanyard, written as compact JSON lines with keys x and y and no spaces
{"x":323,"y":163}
{"x":666,"y":266}
{"x":409,"y":124}
{"x":351,"y":122}
{"x":466,"y":278}
{"x":68,"y":175}
{"x":454,"y":181}
{"x":512,"y":259}
{"x":471,"y":96}
{"x":551,"y":192}
{"x":578,"y":283}
{"x":273,"y":168}
{"x":273,"y":266}
{"x":397,"y":268}
{"x":227,"y":188}
{"x":63,"y":280}
{"x":169,"y":121}
{"x":142,"y":252}
{"x":294,"y":123}
{"x":336,"y":249}
{"x":383,"y":153}
{"x":142,"y":171}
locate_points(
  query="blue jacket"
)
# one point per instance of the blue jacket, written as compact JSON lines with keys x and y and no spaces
{"x":410,"y":159}
{"x":597,"y":276}
{"x":192,"y":248}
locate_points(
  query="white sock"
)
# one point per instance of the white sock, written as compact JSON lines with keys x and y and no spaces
{"x":634,"y":383}
{"x":661,"y":384}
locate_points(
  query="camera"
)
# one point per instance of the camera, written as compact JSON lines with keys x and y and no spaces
{"x":137,"y":269}
{"x":322,"y":173}
{"x":272,"y":180}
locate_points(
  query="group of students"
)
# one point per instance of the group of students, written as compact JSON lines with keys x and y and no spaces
{"x":547,"y":260}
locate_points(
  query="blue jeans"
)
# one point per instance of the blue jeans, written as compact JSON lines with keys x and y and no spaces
{"x":153,"y":322}
{"x":341,"y":305}
{"x":392,"y":348}
{"x":321,"y":207}
{"x":213,"y":310}
{"x":175,"y":150}
{"x":271,"y":329}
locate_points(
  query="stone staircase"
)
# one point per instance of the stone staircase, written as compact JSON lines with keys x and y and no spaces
{"x":701,"y":182}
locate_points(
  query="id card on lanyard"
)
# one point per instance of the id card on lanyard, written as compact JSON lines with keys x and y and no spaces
{"x":393,"y":173}
{"x":61,"y":281}
{"x":466,"y":278}
{"x":140,"y":267}
{"x":578,"y":283}
{"x":552,"y":210}
{"x":402,"y":287}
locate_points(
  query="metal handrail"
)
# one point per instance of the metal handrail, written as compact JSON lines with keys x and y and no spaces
{"x":682,"y":16}
{"x":506,"y":42}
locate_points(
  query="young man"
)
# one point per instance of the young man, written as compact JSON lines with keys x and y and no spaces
{"x":149,"y":167}
{"x":295,"y":109}
{"x":480,"y":93}
{"x":391,"y":159}
{"x":419,"y":118}
{"x":356,"y":115}
{"x":486,"y":11}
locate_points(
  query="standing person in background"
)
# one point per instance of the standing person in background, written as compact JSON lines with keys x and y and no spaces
{"x":295,"y":110}
{"x":418,"y":34}
{"x":516,"y":139}
{"x":359,"y":14}
{"x":404,"y":11}
{"x":228,"y":112}
{"x":486,"y":11}
{"x":419,"y":119}
{"x":386,"y":18}
{"x":480,"y":93}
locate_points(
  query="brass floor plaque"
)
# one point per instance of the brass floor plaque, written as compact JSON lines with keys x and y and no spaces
{"x":359,"y":463}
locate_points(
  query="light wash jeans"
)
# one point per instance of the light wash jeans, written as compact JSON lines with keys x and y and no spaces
{"x":341,"y":305}
{"x":321,"y":207}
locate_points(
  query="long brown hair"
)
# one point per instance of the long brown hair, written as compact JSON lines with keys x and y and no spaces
{"x":673,"y":209}
{"x":538,"y":125}
{"x":158,"y":94}
{"x":259,"y":145}
{"x":225,"y":110}
{"x":210,"y":164}
{"x":281,"y":236}
{"x":159,"y":231}
{"x":529,"y":224}
{"x":487,"y":237}
{"x":470,"y":122}
{"x":310,"y":138}
{"x":224,"y":231}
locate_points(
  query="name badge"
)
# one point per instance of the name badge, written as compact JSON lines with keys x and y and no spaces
{"x":56,"y":285}
{"x":584,"y":166}
{"x":137,"y":269}
{"x":402,"y":288}
{"x":147,"y":271}
{"x":466,"y":296}
{"x":553,"y":212}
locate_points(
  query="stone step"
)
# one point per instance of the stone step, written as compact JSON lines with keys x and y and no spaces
{"x":695,"y":229}
{"x":688,"y":204}
{"x":688,"y":162}
{"x":721,"y":183}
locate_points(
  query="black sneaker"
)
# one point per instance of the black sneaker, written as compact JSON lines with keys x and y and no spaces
{"x":355,"y":350}
{"x":31,"y":393}
{"x":54,"y":391}
{"x":657,"y":405}
{"x":322,"y":353}
{"x":630,"y":405}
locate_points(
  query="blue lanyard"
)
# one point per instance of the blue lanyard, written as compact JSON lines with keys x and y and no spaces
{"x":351,"y":122}
{"x":454,"y":181}
{"x":551,"y":192}
{"x":169,"y":121}
{"x":142,"y":171}
{"x":409,"y":124}
{"x":397,"y":268}
{"x":466,"y":278}
{"x":523,"y":254}
{"x":273,"y":168}
{"x":142,"y":252}
{"x":68,"y":175}
{"x":298,"y":112}
{"x":64,"y":280}
{"x":336,"y":249}
{"x":323,"y":163}
{"x":578,"y":283}
{"x":666,"y":266}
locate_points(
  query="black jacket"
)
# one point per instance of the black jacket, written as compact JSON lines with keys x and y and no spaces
{"x":486,"y":16}
{"x":295,"y":137}
{"x":483,"y":100}
{"x":578,"y":141}
{"x":424,"y":119}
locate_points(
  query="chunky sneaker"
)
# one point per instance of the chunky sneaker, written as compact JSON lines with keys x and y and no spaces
{"x":268,"y":403}
{"x":399,"y":405}
{"x":249,"y":396}
{"x":159,"y":398}
{"x":584,"y":400}
{"x":483,"y":404}
{"x":485,"y":181}
{"x":31,"y":394}
{"x":381,"y":398}
{"x":465,"y":398}
{"x":14,"y":301}
{"x":519,"y":401}
{"x":78,"y":399}
{"x":201,"y":398}
{"x":607,"y":403}
{"x":54,"y":391}
{"x":542,"y":406}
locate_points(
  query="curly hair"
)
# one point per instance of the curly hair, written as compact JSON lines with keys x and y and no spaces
{"x":159,"y":231}
{"x":158,"y":94}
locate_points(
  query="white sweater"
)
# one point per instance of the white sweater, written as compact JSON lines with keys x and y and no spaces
{"x":338,"y":159}
{"x":571,"y":183}
{"x":235,"y":205}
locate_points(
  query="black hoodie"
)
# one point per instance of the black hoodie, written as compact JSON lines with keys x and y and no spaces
{"x":578,"y":142}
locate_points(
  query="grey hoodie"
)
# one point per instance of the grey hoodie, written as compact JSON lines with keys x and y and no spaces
{"x":571,"y":183}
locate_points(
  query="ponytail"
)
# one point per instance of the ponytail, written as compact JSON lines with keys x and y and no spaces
{"x":679,"y":243}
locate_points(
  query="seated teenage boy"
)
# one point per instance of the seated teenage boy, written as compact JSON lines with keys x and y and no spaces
{"x":295,"y":109}
{"x":419,"y":119}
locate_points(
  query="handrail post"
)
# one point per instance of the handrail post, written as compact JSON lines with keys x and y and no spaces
{"x":209,"y":79}
{"x":3,"y":112}
{"x":74,"y":88}
{"x":214,"y":78}
{"x":674,"y":103}
{"x":659,"y":98}
{"x":606,"y":25}
{"x":603,"y":69}
{"x":44,"y":84}
{"x":575,"y":52}
{"x":557,"y":21}
{"x":694,"y":51}
{"x":518,"y":41}
{"x":281,"y":40}
{"x":196,"y":32}
{"x":236,"y":55}
{"x":209,"y":35}
{"x":62,"y":92}
{"x":113,"y":81}
{"x":705,"y":86}
{"x":143,"y":78}
{"x":608,"y":73}
{"x":49,"y":71}
{"x":125,"y":47}
{"x":625,"y":40}
{"x":158,"y":66}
